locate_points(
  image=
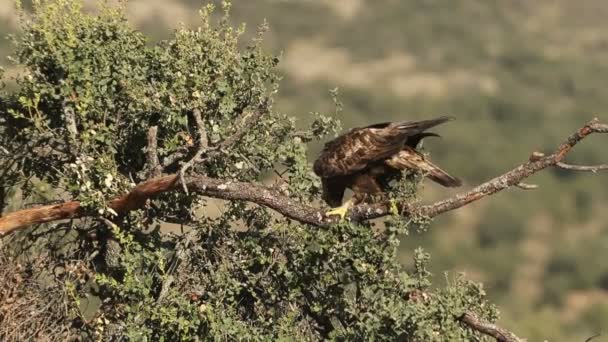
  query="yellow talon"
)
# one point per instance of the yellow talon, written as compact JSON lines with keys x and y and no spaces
{"x":341,"y":210}
{"x":394,"y":209}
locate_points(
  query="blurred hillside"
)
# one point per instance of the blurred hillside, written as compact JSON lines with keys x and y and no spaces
{"x":519,"y":75}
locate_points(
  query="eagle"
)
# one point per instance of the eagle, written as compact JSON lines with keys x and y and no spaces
{"x":367,"y":159}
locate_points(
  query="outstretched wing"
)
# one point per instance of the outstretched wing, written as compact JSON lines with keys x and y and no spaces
{"x":355,"y":150}
{"x":409,"y":158}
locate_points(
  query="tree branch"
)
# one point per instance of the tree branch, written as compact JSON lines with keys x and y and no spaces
{"x":247,"y":121}
{"x":203,"y":144}
{"x":471,"y":320}
{"x":592,"y":337}
{"x":71,"y":128}
{"x":526,"y":186}
{"x":291,"y":208}
{"x":487,"y":328}
{"x":70,"y":121}
{"x":590,"y":168}
{"x":152,"y":153}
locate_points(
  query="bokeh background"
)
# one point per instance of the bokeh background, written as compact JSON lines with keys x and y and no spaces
{"x":519,"y":75}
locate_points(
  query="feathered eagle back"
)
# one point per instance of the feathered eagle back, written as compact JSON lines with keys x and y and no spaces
{"x":363,"y":158}
{"x":356,"y":149}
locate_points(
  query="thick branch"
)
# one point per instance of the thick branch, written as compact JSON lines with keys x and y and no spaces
{"x":487,"y":328}
{"x":291,"y":208}
{"x":131,"y":201}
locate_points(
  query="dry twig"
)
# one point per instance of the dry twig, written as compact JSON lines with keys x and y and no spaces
{"x":592,"y":337}
{"x":203,"y":144}
{"x":590,"y":168}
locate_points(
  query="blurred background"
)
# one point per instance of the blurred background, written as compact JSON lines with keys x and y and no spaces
{"x":520,"y":76}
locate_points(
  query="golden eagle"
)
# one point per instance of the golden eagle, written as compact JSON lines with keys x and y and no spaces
{"x":366,"y":159}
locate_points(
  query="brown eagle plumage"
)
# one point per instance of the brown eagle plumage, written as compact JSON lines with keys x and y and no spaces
{"x":366,"y":159}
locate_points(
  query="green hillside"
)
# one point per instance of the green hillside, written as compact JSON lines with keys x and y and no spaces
{"x":519,"y":76}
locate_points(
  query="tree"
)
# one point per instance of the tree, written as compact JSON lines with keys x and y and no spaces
{"x":127,"y":136}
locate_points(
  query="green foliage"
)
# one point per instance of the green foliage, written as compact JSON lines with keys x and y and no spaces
{"x":78,"y":123}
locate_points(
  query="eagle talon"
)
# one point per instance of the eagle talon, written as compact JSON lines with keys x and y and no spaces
{"x":340,"y":211}
{"x":393,"y":209}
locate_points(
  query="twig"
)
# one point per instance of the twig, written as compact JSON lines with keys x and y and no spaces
{"x":586,"y":168}
{"x":203,"y":144}
{"x":487,"y":328}
{"x":592,"y":337}
{"x":164,"y":289}
{"x":178,"y":256}
{"x":70,"y":121}
{"x":526,"y":186}
{"x":290,"y":207}
{"x":152,"y":153}
{"x":171,"y":160}
{"x":72,"y":129}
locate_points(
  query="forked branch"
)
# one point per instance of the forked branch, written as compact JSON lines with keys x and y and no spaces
{"x":291,"y":208}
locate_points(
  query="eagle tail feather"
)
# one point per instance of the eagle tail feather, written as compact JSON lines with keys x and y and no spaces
{"x":411,"y":159}
{"x":436,"y":174}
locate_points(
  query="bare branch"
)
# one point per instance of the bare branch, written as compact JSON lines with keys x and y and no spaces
{"x":471,"y":320}
{"x":152,"y":153}
{"x":598,"y":127}
{"x":291,"y":208}
{"x":179,"y":255}
{"x":71,"y":128}
{"x":203,"y":144}
{"x":70,"y":121}
{"x":247,"y":121}
{"x":526,"y":186}
{"x":592,"y":337}
{"x":170,"y":161}
{"x":590,"y":168}
{"x":487,"y":328}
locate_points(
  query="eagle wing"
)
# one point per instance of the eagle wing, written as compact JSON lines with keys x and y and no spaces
{"x":409,"y":158}
{"x":355,"y":150}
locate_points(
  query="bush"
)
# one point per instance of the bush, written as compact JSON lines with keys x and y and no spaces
{"x":78,"y":124}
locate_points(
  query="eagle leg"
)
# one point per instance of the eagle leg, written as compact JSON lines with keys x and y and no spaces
{"x":341,"y":210}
